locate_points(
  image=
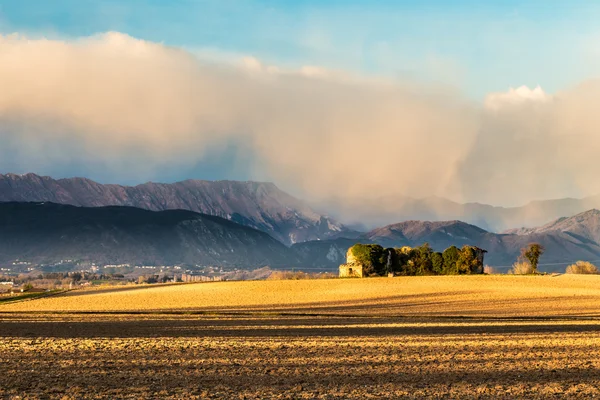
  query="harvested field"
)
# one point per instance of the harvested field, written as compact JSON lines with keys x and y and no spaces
{"x":491,"y":296}
{"x":386,"y":344}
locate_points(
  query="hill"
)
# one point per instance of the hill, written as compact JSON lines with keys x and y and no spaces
{"x":458,"y":296}
{"x":566,"y":240}
{"x":255,"y":204}
{"x":412,"y":233}
{"x":48,"y":232}
{"x":583,"y":226}
{"x":371,"y":213}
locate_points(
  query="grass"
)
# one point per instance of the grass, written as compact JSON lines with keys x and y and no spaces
{"x":492,"y":295}
{"x":27,"y":296}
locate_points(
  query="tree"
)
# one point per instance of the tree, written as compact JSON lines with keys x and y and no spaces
{"x":437,"y":263}
{"x":450,"y":256}
{"x":391,"y":263}
{"x":468,"y":262}
{"x":532,"y":253}
{"x":424,"y":264}
{"x":402,"y":256}
{"x":373,"y":257}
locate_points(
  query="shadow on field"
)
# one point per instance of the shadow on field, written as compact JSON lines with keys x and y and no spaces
{"x":90,"y":326}
{"x":429,"y":305}
{"x":111,"y":376}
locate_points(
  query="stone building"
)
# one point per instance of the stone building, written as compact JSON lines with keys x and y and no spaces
{"x":352,"y":268}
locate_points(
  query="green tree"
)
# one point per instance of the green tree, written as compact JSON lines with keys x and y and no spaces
{"x":532,"y":253}
{"x":422,"y":260}
{"x":467,"y":262}
{"x":437,"y":263}
{"x":450,"y":256}
{"x":373,"y":257}
{"x":401,"y":261}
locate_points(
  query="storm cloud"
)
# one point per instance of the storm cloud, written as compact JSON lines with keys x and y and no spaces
{"x":131,"y":107}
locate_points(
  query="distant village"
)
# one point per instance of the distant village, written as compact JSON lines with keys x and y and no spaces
{"x":21,"y":276}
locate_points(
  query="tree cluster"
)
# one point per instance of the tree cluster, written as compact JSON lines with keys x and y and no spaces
{"x":422,"y":260}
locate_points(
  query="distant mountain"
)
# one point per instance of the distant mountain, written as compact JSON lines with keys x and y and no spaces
{"x":255,"y":204}
{"x":49,"y":232}
{"x":566,"y":240}
{"x":583,"y":226}
{"x":368,"y":214}
{"x":411,"y":233}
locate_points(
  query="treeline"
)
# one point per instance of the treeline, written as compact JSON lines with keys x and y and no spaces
{"x":421,"y":260}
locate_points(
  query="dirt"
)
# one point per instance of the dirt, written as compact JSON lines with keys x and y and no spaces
{"x":73,"y":356}
{"x":484,"y":337}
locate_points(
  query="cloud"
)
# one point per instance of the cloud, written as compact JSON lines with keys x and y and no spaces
{"x":131,"y":107}
{"x":111,"y":97}
{"x":517,"y":97}
{"x":534,"y":146}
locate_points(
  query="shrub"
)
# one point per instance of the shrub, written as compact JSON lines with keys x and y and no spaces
{"x":522,"y":268}
{"x":582,"y":267}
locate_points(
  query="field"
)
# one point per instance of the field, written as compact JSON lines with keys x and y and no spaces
{"x":414,"y":337}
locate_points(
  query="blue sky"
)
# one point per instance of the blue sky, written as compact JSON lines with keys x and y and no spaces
{"x":475,"y":46}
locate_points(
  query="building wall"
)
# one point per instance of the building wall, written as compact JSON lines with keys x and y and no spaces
{"x":351,"y":271}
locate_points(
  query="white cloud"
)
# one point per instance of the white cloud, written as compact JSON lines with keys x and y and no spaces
{"x":132,"y":106}
{"x":516,"y":96}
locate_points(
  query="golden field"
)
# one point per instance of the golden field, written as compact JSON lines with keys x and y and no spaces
{"x":480,"y":337}
{"x":491,"y":296}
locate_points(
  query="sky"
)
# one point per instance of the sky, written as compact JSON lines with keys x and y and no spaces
{"x":470,"y":100}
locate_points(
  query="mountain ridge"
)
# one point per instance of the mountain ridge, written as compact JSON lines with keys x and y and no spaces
{"x":571,"y":239}
{"x":259,"y":205}
{"x":48,"y":232}
{"x":377,"y":212}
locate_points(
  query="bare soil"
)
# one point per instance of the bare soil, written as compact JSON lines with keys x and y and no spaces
{"x":282,"y":343}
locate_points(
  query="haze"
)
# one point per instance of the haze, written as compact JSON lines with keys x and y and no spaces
{"x":502,"y":117}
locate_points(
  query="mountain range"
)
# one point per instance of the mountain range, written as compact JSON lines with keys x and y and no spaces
{"x":566,"y":240}
{"x":254,"y":224}
{"x":255,"y":204}
{"x":49,"y":232}
{"x":368,"y":214}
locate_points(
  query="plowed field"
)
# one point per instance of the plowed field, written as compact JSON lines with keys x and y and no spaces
{"x":432,"y":337}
